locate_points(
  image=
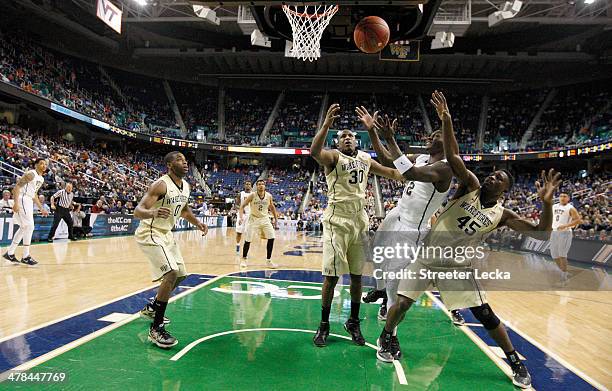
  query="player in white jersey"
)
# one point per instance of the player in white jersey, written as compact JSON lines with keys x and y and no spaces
{"x":258,"y":222}
{"x":427,"y":188}
{"x":474,"y":211}
{"x":241,"y":228}
{"x":565,"y":217}
{"x":345,"y":221}
{"x":25,"y":195}
{"x":165,"y":201}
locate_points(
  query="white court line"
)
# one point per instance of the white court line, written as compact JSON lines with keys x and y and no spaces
{"x":501,"y":364}
{"x":498,"y":361}
{"x":561,"y":361}
{"x":76,"y":313}
{"x":63,"y":349}
{"x":399,"y":370}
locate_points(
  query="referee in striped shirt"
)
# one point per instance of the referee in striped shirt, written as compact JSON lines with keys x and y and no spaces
{"x":62,"y":210}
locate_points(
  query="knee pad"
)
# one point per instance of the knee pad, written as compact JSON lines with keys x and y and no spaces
{"x":486,"y":316}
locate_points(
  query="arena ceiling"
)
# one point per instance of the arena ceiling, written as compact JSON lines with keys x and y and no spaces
{"x":547,"y":37}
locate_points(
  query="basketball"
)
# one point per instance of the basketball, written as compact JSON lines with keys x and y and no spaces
{"x":371,"y":34}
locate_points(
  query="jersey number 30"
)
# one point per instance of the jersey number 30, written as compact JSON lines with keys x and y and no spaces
{"x":468,"y":225}
{"x":356,"y":177}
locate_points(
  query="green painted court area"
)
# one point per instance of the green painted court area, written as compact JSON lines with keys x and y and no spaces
{"x":437,"y":356}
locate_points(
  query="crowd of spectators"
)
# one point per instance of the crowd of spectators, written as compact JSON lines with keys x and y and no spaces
{"x":73,"y":83}
{"x":288,"y":187}
{"x":578,"y":114}
{"x":297,"y":117}
{"x":95,"y":170}
{"x":509,"y":115}
{"x":465,"y":109}
{"x":574,"y":116}
{"x":589,"y":195}
{"x":198,"y":106}
{"x":246,"y":114}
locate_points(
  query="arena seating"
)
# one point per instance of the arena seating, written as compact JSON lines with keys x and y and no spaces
{"x":573,"y":117}
{"x":510,"y":114}
{"x":465,"y":109}
{"x":198,"y":106}
{"x":297,"y":119}
{"x":288,"y":187}
{"x":246,"y":114}
{"x":142,"y":105}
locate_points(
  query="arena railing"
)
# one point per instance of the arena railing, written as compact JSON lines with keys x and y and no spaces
{"x":182,"y":143}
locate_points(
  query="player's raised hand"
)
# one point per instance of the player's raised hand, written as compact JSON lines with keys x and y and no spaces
{"x":439,"y":102}
{"x":547,"y":184}
{"x":386,"y":127}
{"x":162,"y":213}
{"x":364,"y":116}
{"x":332,"y":114}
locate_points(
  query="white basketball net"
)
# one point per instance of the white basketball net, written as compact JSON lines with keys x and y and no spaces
{"x":308,"y":23}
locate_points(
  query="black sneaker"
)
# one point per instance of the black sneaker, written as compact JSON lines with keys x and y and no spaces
{"x":457,"y":318}
{"x":10,"y":258}
{"x":394,"y":348}
{"x":382,"y":311}
{"x":374,"y":295}
{"x":320,"y":338}
{"x":148,"y":312}
{"x":384,"y":352}
{"x":352,"y":327}
{"x":520,"y":376}
{"x":29,"y":261}
{"x":160,"y":337}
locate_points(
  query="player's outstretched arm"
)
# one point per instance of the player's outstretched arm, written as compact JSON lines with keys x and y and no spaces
{"x":188,"y":215}
{"x":392,"y":173}
{"x":437,"y":173}
{"x":369,"y":121}
{"x":243,"y":205}
{"x":145,"y":210}
{"x":21,"y":182}
{"x":451,"y":147}
{"x":546,"y":187}
{"x":323,"y":156}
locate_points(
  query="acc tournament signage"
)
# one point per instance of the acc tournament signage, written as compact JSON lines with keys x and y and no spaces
{"x":110,"y":14}
{"x":102,"y":225}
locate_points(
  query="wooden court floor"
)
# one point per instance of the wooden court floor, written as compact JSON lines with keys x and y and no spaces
{"x":71,"y":277}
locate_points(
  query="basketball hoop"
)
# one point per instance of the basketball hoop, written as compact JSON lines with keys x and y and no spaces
{"x":308,"y":23}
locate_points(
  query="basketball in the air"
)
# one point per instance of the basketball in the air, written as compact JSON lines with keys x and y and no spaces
{"x":371,"y":34}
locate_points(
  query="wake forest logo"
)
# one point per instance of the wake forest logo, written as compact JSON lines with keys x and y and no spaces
{"x":478,"y":215}
{"x":176,"y":199}
{"x":353,"y":164}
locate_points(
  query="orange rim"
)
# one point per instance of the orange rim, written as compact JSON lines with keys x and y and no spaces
{"x":310,"y":16}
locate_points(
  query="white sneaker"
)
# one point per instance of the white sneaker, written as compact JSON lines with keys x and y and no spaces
{"x":243,"y":263}
{"x":271,"y":264}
